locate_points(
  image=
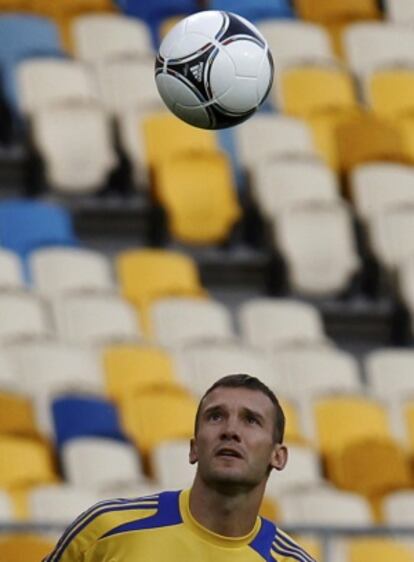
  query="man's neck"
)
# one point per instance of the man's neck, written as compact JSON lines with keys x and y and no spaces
{"x":228,"y":514}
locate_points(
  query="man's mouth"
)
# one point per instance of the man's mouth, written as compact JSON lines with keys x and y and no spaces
{"x":228,"y":452}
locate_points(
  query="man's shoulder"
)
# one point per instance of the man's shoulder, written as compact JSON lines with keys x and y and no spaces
{"x":284,"y":548}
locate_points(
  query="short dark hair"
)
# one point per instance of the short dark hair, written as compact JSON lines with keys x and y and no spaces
{"x":251,"y":383}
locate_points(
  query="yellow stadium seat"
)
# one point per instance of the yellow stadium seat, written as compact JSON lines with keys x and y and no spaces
{"x":198,"y":193}
{"x":378,"y":549}
{"x":165,"y":135}
{"x":16,"y":415}
{"x":130,"y":368}
{"x":24,"y":462}
{"x":293,"y":432}
{"x":409,"y":417}
{"x":390,"y":93}
{"x":160,"y":414}
{"x":355,"y":438}
{"x":328,"y":89}
{"x":334,"y":10}
{"x":14,"y":5}
{"x":24,"y":548}
{"x":146,"y":274}
{"x":365,"y":137}
{"x":405,"y":124}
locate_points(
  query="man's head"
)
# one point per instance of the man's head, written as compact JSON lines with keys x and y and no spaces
{"x":239,"y":431}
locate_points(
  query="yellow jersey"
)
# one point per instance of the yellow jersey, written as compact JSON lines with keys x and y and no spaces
{"x":160,"y":528}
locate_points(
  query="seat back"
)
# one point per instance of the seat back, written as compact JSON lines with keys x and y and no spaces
{"x":23,"y":316}
{"x":328,"y":89}
{"x":381,"y":88}
{"x":198,"y":193}
{"x":28,"y":225}
{"x":11,"y":274}
{"x":24,"y":547}
{"x":379,"y":549}
{"x":312,"y":239}
{"x":377,"y":186}
{"x":180,"y":321}
{"x":129,"y":368}
{"x":270,"y":322}
{"x":48,"y":81}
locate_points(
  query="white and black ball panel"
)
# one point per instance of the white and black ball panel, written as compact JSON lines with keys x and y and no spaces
{"x":209,"y":23}
{"x":171,"y":38}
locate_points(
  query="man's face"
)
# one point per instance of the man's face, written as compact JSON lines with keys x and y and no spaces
{"x":235,"y":438}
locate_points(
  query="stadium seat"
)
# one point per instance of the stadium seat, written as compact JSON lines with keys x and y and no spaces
{"x":303,"y":471}
{"x":369,"y":46}
{"x":24,"y":547}
{"x":295,"y":42}
{"x":6,"y":507}
{"x":58,"y":503}
{"x":47,"y":81}
{"x":279,"y":183}
{"x":130,"y":368}
{"x":376,"y":186}
{"x":59,"y":271}
{"x":378,"y":549}
{"x":328,"y":89}
{"x":25,"y":462}
{"x":199,"y":196}
{"x":406,"y":286}
{"x":97,"y":319}
{"x":170,"y":465}
{"x":324,"y":506}
{"x":271,"y":135}
{"x":399,"y":11}
{"x":11,"y":271}
{"x":408,"y":408}
{"x":127,"y":85}
{"x":22,"y":36}
{"x":23,"y":316}
{"x":335,"y":10}
{"x":97,"y":463}
{"x":153,"y":13}
{"x":268,"y":323}
{"x":294,"y":434}
{"x":17,"y":415}
{"x":254,"y":11}
{"x":160,"y":414}
{"x":380,"y":92}
{"x":364,"y":137}
{"x":82,"y":415}
{"x":178,"y":321}
{"x":306,"y":373}
{"x":27,"y":225}
{"x":14,"y":5}
{"x":200,"y":364}
{"x":8,"y":373}
{"x":102,"y":36}
{"x":47,"y":369}
{"x":391,"y":235}
{"x":389,"y":378}
{"x":361,"y":442}
{"x":147,"y":274}
{"x":317,"y":243}
{"x":63,"y":135}
{"x":160,"y":127}
{"x":398,"y":508}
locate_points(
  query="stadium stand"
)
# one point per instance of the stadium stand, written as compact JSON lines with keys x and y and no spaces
{"x":322,"y":187}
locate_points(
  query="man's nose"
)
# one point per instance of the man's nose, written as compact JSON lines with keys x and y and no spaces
{"x":231,"y":430}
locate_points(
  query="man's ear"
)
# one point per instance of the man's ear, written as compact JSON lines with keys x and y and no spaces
{"x":279,"y":457}
{"x":193,"y":457}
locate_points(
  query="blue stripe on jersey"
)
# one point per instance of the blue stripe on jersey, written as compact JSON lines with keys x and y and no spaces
{"x":98,"y":509}
{"x":295,"y":552}
{"x":168,"y":514}
{"x":263,"y":540}
{"x":287,"y":542}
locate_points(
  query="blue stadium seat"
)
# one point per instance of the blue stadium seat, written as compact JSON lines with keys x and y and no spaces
{"x":155,"y":11}
{"x":28,"y":225}
{"x":255,"y":10}
{"x":23,"y":36}
{"x":85,"y":416}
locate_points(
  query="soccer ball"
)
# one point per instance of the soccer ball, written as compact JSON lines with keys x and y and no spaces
{"x":213,"y":69}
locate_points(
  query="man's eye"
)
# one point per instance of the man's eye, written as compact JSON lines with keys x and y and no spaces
{"x":252,"y":420}
{"x":214,"y":416}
